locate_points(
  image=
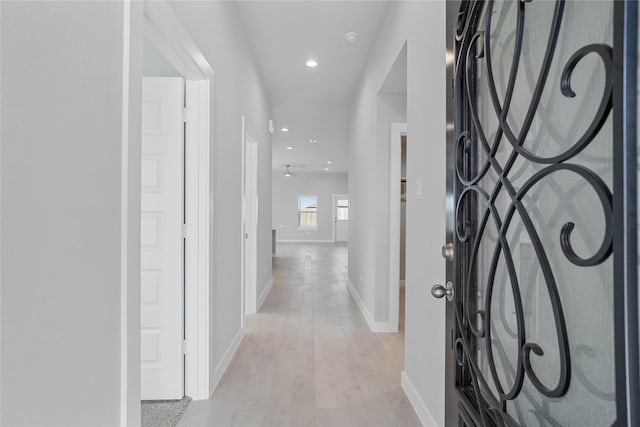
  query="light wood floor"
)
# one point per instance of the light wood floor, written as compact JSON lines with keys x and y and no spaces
{"x":308,"y":358}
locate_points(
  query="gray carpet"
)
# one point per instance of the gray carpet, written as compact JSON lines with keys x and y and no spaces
{"x":163,"y":413}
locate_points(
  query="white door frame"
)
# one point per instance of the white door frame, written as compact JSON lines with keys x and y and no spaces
{"x":398,"y":130}
{"x":158,"y":22}
{"x":335,"y":201}
{"x":249,"y":274}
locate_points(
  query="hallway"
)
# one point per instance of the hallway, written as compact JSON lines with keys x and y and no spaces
{"x":308,"y":357}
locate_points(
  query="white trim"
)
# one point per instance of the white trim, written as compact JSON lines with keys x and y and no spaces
{"x":124,"y":217}
{"x":303,"y":241}
{"x":174,"y":41}
{"x":205,"y":215}
{"x":416,"y":401}
{"x":395,"y":175}
{"x":192,"y":237}
{"x":197,"y":203}
{"x":243,"y":203}
{"x":334,"y":197}
{"x":224,"y":363}
{"x":165,"y":30}
{"x":376,"y":327}
{"x":264,"y":294}
{"x":0,"y":240}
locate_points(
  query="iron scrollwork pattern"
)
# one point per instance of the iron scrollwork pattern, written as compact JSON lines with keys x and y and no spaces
{"x":473,"y":45}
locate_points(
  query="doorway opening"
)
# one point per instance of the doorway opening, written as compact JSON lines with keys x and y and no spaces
{"x":392,"y":116}
{"x":175,"y":211}
{"x":249,"y":222}
{"x":403,"y":228}
{"x":397,"y":222}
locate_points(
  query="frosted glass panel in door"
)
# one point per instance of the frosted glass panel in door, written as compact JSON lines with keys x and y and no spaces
{"x":535,"y":209}
{"x":341,"y":218}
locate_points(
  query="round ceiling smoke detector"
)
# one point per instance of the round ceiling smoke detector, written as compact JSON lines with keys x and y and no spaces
{"x":351,"y":37}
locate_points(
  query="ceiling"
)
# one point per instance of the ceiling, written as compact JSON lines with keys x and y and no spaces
{"x":313,"y":103}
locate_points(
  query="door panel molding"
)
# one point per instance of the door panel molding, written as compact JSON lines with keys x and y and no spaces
{"x":162,"y":249}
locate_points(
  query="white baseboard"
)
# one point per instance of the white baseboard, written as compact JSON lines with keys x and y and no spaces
{"x":222,"y":366}
{"x":304,"y":241}
{"x":264,"y":294}
{"x":416,"y":401}
{"x":376,"y":327}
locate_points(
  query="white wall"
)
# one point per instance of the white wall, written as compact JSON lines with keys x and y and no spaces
{"x":218,"y":31}
{"x":154,"y":64}
{"x":63,"y":114}
{"x":61,"y":133}
{"x":422,"y":26}
{"x":285,"y":203}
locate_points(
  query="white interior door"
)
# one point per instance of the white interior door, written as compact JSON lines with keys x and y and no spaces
{"x":251,"y":225}
{"x":162,"y":239}
{"x":341,"y":217}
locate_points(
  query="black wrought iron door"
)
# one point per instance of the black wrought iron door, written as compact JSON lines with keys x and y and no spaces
{"x":536,"y":151}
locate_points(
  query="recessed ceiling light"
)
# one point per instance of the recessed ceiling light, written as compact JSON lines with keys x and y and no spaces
{"x":313,"y":141}
{"x":289,"y":148}
{"x":351,"y":37}
{"x":312,"y":63}
{"x":326,"y":169}
{"x":284,"y":130}
{"x":329,"y":162}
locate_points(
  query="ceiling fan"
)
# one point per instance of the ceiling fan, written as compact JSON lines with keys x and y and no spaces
{"x":289,"y":172}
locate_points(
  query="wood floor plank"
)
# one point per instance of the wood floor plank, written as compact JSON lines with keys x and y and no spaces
{"x":308,"y":357}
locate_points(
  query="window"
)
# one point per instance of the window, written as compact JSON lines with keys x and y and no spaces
{"x":342,"y":210}
{"x":307,"y":212}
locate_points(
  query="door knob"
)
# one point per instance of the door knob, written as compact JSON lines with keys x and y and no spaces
{"x":439,"y":291}
{"x":447,"y":251}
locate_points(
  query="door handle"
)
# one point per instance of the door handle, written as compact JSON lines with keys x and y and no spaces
{"x":447,"y":251}
{"x":439,"y":291}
